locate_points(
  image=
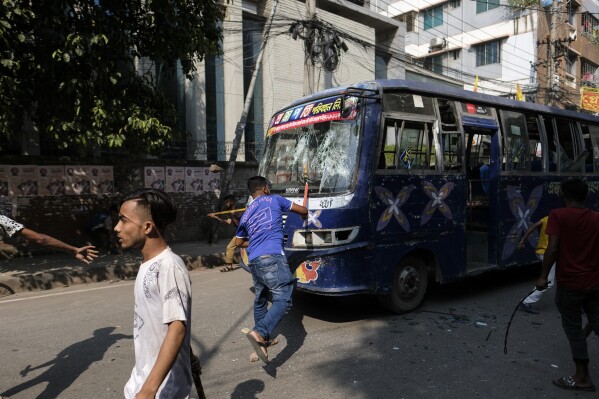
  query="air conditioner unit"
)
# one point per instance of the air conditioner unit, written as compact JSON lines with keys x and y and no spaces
{"x":437,"y":42}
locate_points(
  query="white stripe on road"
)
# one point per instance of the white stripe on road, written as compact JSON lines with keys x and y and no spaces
{"x":65,"y":293}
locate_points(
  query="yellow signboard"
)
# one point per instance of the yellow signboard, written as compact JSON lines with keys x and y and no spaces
{"x":589,"y":99}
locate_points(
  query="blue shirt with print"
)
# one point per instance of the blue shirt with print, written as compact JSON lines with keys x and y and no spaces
{"x":262,"y":223}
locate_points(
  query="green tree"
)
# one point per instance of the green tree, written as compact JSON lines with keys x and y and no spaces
{"x":69,"y":66}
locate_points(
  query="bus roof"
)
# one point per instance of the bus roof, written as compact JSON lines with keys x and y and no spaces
{"x":446,"y":91}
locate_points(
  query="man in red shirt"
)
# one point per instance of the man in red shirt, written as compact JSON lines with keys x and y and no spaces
{"x":574,"y":243}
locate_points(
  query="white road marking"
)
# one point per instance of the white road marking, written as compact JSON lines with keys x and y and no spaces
{"x":65,"y":293}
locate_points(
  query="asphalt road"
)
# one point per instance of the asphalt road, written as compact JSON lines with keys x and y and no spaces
{"x":76,"y":343}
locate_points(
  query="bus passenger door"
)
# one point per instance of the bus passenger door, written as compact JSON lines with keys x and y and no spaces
{"x":482,"y":170}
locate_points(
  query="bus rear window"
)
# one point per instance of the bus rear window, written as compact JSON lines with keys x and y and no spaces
{"x":408,"y":103}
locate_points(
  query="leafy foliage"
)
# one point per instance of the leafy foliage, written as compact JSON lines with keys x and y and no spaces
{"x":523,"y":4}
{"x":71,"y":67}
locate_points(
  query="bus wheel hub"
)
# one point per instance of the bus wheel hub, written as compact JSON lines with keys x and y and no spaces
{"x":409,"y":282}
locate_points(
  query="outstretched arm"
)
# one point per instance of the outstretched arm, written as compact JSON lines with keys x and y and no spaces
{"x":549,"y":258}
{"x":85,"y":254}
{"x":300,"y":210}
{"x":167,"y":355}
{"x":532,"y":228}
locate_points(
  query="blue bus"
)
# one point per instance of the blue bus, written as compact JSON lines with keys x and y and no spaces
{"x":410,"y":182}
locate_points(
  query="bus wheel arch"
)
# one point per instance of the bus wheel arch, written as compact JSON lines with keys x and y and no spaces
{"x":410,"y":282}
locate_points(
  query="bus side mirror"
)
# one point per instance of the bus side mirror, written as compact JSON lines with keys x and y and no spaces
{"x":348,"y":105}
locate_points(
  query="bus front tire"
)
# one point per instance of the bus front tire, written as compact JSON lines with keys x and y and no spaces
{"x":408,"y":288}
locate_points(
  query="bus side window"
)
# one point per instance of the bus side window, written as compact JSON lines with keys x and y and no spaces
{"x":389,"y":149}
{"x":416,"y":146}
{"x":551,"y":139}
{"x":590,"y":134}
{"x":516,"y":150}
{"x":451,"y":137}
{"x":566,"y":146}
{"x":535,"y":145}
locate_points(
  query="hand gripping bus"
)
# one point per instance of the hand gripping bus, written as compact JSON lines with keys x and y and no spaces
{"x":410,"y":181}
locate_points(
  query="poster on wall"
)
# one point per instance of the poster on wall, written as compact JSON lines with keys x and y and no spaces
{"x":78,"y":179}
{"x":175,"y":179}
{"x":22,"y":180}
{"x":154,"y":177}
{"x":51,"y":180}
{"x":211,"y":181}
{"x":4,"y":172}
{"x":194,"y":180}
{"x":102,"y":180}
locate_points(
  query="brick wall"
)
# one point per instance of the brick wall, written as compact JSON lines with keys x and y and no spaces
{"x":65,"y":217}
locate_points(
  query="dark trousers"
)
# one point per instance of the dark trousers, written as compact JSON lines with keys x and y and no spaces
{"x":571,"y":304}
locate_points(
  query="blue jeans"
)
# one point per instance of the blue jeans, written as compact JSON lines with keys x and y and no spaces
{"x":571,"y":304}
{"x":270,"y":274}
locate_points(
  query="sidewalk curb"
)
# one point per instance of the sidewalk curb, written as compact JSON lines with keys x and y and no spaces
{"x":116,"y":269}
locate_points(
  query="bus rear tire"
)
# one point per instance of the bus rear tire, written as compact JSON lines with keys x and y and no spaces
{"x":408,"y":287}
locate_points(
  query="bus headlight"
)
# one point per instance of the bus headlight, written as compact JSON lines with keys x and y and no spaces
{"x":324,"y":237}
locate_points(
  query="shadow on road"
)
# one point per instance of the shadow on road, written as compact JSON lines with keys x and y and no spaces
{"x":69,"y":364}
{"x":248,"y":389}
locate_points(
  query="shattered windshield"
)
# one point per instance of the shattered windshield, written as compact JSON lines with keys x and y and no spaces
{"x":326,"y":153}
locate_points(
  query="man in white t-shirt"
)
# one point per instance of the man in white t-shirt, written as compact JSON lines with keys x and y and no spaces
{"x":162,"y":317}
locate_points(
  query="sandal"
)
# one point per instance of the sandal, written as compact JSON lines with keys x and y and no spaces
{"x":228,"y":268}
{"x":569,"y":384}
{"x":259,"y":347}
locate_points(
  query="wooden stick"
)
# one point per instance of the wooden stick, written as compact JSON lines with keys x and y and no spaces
{"x":224,"y":212}
{"x":306,"y":186}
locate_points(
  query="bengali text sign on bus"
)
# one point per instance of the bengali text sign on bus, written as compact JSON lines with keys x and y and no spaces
{"x":589,"y":99}
{"x":325,"y":110}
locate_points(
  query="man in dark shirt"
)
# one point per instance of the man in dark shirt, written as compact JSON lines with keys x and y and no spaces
{"x":232,"y":219}
{"x":574,"y":243}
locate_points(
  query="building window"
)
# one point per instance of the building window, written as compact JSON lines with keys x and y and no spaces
{"x":381,"y":63}
{"x":588,"y":70}
{"x":252,"y":41}
{"x":572,"y":13}
{"x":434,"y":63}
{"x":571,"y":64}
{"x":410,"y":19}
{"x":486,"y":5}
{"x":433,"y":17}
{"x":589,"y":24}
{"x":488,"y":53}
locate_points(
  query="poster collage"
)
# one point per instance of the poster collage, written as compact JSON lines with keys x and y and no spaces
{"x":55,"y":180}
{"x":181,"y":179}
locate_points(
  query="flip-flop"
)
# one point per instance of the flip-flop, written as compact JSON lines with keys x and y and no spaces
{"x":258,"y":347}
{"x":569,"y":384}
{"x":228,"y":268}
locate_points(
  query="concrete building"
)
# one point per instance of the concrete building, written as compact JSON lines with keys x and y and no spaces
{"x":575,"y":52}
{"x":452,"y":42}
{"x":214,"y":100}
{"x":458,"y":40}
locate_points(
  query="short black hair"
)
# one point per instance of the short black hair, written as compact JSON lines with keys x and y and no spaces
{"x":574,"y":189}
{"x":256,"y":183}
{"x":160,"y":204}
{"x":229,"y":197}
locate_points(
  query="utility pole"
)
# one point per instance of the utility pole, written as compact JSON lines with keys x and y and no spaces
{"x":552,"y":72}
{"x":309,"y":67}
{"x":240,"y":128}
